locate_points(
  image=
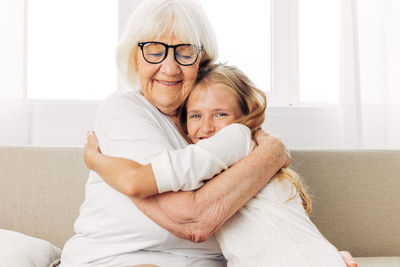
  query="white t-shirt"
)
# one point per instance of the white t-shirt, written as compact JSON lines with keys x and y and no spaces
{"x":110,"y":229}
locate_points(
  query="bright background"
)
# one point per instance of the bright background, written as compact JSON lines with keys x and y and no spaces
{"x":330,"y":68}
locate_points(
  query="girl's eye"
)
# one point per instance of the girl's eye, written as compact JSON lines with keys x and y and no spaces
{"x":195,"y":116}
{"x":221,"y":114}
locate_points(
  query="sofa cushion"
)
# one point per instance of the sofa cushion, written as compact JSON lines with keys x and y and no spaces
{"x":18,"y":250}
{"x":378,"y":261}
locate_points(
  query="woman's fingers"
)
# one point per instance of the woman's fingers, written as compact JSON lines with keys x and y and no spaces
{"x":260,"y":136}
{"x":271,"y":141}
{"x":348,"y":259}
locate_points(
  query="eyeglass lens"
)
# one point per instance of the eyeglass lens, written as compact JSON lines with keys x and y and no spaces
{"x":185,"y":54}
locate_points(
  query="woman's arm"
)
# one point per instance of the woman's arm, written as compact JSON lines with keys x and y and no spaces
{"x":196,"y":215}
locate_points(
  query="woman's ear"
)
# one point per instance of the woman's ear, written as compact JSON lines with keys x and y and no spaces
{"x":133,"y":59}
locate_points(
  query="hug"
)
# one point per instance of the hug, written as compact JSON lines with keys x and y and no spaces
{"x":182,"y":174}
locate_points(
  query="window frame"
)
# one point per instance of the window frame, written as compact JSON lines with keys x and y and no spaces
{"x":284,"y":43}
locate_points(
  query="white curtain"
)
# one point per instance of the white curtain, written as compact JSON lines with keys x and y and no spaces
{"x":13,"y":107}
{"x":370,"y":73}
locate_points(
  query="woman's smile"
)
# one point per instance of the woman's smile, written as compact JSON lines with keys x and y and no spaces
{"x":169,"y":83}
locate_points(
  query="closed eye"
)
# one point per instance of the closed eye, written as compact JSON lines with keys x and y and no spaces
{"x":156,"y":54}
{"x":185,"y":56}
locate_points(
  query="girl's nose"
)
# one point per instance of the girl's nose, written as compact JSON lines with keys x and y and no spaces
{"x":208,"y":126}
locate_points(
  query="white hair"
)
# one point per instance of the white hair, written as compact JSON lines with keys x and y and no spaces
{"x":153,"y":18}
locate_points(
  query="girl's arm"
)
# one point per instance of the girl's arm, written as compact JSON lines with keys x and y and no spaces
{"x":183,"y":169}
{"x":127,"y":176}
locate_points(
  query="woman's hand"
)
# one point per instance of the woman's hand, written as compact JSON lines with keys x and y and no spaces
{"x":270,"y":141}
{"x":348,"y":259}
{"x":91,"y":147}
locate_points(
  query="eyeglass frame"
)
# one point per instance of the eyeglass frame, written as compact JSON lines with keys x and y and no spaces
{"x":142,"y":44}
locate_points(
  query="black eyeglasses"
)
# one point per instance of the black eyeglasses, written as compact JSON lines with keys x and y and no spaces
{"x":156,"y":52}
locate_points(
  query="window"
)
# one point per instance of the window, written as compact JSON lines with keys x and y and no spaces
{"x":277,"y":43}
{"x":243,"y":32}
{"x":70,"y":49}
{"x":319,"y":50}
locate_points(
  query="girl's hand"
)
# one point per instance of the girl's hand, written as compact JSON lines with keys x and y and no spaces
{"x":91,"y":148}
{"x":348,"y":259}
{"x":270,"y":141}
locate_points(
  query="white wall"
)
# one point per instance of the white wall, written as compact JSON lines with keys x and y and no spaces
{"x":298,"y":126}
{"x":61,"y":123}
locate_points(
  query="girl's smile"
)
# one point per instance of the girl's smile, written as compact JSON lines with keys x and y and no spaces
{"x":210,"y":107}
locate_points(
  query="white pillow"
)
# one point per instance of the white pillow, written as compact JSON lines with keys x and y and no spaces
{"x":19,"y":250}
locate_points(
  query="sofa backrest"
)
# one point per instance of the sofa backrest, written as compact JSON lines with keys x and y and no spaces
{"x":355,"y":194}
{"x":355,"y":197}
{"x":41,"y":189}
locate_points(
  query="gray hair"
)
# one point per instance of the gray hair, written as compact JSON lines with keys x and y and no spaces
{"x":153,"y":18}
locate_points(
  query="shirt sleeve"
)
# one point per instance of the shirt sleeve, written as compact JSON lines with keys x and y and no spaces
{"x":126,"y":128}
{"x":186,"y":169}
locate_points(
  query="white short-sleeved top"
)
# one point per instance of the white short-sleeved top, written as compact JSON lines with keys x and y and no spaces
{"x":110,"y":229}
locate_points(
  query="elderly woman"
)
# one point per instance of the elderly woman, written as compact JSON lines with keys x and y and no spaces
{"x":160,"y":53}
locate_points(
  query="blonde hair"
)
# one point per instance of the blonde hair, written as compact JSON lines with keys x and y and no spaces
{"x":185,"y":19}
{"x":253,"y":103}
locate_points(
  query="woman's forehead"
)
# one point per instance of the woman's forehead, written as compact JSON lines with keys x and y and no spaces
{"x":170,"y":29}
{"x":169,"y":37}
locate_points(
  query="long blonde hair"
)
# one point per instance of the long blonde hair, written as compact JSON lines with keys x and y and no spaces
{"x":253,"y":103}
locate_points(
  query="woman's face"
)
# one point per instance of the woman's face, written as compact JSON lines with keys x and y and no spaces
{"x":167,"y":84}
{"x":210,"y":107}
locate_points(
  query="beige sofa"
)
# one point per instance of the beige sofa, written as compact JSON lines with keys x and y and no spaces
{"x":356,"y":196}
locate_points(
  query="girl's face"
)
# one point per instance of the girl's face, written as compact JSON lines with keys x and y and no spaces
{"x":210,"y":107}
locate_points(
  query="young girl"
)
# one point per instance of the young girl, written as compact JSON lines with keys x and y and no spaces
{"x":219,"y":117}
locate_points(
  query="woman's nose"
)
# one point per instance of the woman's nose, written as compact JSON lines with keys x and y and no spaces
{"x":169,"y":66}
